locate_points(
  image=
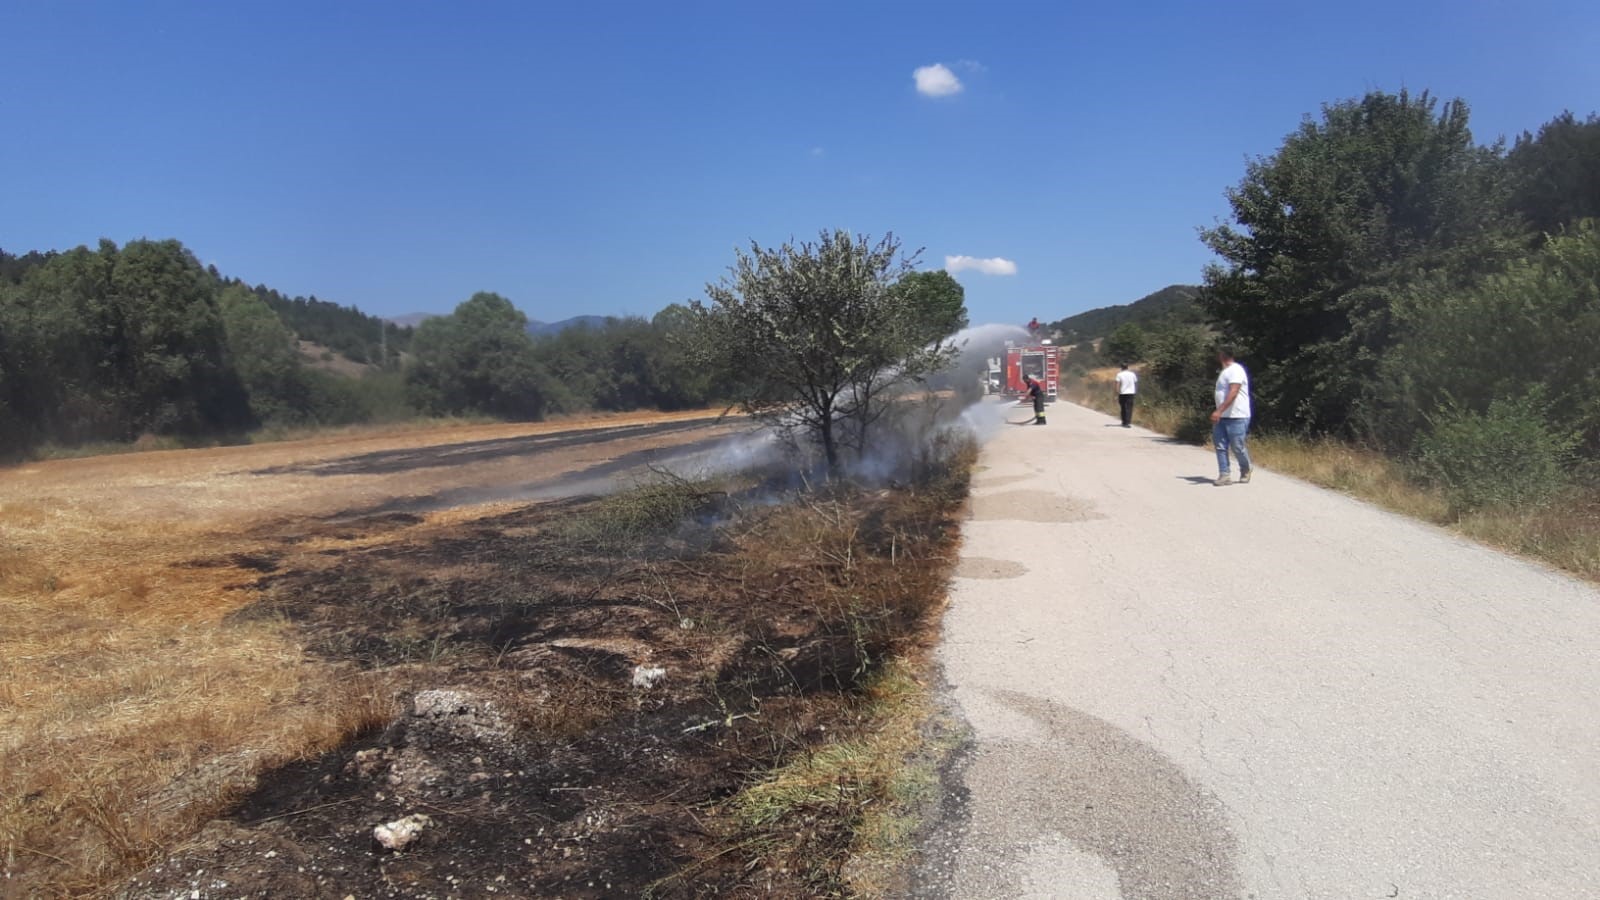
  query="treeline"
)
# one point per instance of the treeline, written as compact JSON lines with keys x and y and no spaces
{"x":481,"y":359}
{"x":115,"y":343}
{"x":1390,"y":280}
{"x":343,"y":329}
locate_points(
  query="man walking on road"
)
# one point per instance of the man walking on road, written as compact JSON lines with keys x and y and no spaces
{"x":1230,"y":423}
{"x":1127,"y":385}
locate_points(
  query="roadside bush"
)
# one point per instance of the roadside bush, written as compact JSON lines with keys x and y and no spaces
{"x":1127,"y":345}
{"x":648,"y":510}
{"x":1181,"y":370}
{"x":1535,"y":323}
{"x":1506,"y":457}
{"x":1086,"y":355}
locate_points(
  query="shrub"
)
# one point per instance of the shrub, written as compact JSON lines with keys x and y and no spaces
{"x":1508,"y":456}
{"x":1535,"y":323}
{"x":1127,"y":345}
{"x":1181,"y":369}
{"x":650,"y":509}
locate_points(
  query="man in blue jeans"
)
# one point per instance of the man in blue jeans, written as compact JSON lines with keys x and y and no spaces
{"x":1230,"y":423}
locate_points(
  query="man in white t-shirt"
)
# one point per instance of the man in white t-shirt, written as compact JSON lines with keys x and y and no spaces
{"x":1230,"y":423}
{"x":1127,"y":386}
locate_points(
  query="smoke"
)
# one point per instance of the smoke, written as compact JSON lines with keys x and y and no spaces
{"x":915,"y":426}
{"x":758,"y":448}
{"x":980,"y":415}
{"x":990,"y":336}
{"x":978,"y":344}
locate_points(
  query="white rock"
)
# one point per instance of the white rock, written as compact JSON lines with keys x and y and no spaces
{"x":647,"y":676}
{"x":460,"y":714}
{"x":399,"y":834}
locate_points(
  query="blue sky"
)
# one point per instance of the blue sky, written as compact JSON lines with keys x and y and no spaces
{"x":606,"y":158}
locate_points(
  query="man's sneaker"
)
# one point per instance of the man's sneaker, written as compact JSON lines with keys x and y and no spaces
{"x":1223,"y":480}
{"x":1244,"y":477}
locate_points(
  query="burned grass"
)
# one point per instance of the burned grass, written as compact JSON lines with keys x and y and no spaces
{"x":681,"y":690}
{"x":135,"y":703}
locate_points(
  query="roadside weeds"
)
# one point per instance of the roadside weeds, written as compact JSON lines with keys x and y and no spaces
{"x":1564,"y":533}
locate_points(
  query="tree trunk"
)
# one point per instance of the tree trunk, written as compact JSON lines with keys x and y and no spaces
{"x":830,"y":442}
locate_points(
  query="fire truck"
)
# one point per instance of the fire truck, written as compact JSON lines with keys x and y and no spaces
{"x":1041,"y":359}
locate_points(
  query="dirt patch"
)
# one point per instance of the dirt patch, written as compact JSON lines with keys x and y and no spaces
{"x":1031,"y":506}
{"x":587,"y":686}
{"x":984,"y":567}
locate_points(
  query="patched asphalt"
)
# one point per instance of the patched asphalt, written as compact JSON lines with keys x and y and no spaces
{"x":1258,"y":691}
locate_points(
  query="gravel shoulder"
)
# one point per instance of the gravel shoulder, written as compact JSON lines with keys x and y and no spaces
{"x":1265,"y":690}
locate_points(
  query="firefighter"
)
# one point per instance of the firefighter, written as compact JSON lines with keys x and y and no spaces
{"x":1036,"y":394}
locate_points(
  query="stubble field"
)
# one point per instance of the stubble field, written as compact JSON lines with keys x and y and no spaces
{"x":223,"y":668}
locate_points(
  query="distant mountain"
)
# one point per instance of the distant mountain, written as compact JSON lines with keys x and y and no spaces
{"x":537,"y":328}
{"x":1174,"y":303}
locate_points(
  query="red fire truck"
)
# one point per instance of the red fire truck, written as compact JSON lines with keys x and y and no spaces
{"x":1041,"y":360}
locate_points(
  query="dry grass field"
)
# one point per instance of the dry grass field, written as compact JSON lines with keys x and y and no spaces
{"x":132,"y":705}
{"x":224,"y":668}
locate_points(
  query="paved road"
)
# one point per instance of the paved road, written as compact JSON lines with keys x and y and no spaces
{"x":1265,"y":690}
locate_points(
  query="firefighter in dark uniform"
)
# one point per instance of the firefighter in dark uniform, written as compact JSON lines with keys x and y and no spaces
{"x":1036,"y":394}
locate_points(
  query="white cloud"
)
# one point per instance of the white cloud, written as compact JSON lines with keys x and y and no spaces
{"x":817,"y":151}
{"x":994,"y":265}
{"x":936,"y":81}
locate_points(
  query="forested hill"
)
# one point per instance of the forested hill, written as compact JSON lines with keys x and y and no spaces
{"x":1174,"y":304}
{"x":535,"y":327}
{"x":345,"y":330}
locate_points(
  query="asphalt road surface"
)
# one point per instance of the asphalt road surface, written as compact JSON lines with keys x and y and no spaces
{"x":1265,"y":690}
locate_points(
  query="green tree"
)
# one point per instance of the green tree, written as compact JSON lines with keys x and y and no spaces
{"x":687,"y":379}
{"x":478,"y":359}
{"x":939,"y":303}
{"x":126,"y":341}
{"x":819,"y":336}
{"x":1535,"y":325}
{"x":1328,"y":231}
{"x":1555,"y":174}
{"x":263,"y":352}
{"x":168,"y":355}
{"x":1126,"y":345}
{"x":1182,"y":366}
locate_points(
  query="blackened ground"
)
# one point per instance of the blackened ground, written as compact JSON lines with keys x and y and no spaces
{"x":410,"y":459}
{"x":532,"y":731}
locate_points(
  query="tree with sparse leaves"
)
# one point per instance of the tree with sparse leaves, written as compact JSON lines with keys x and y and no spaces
{"x":820,"y":336}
